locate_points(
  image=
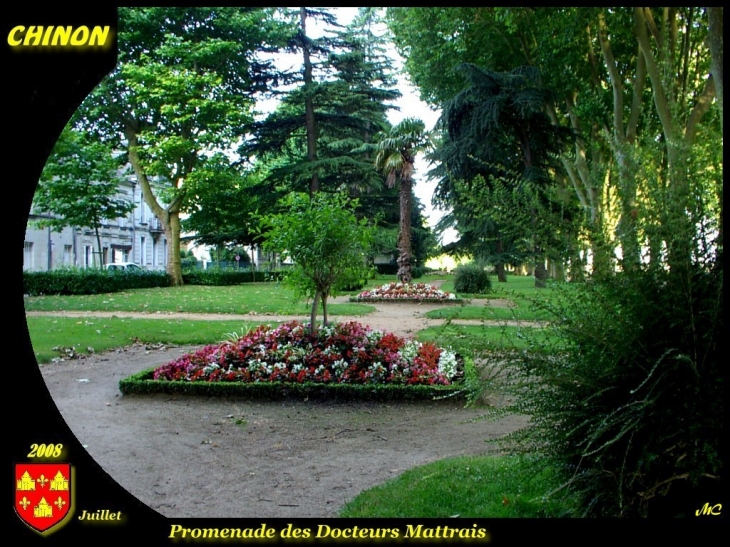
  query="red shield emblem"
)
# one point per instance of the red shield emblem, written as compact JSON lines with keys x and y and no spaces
{"x":42,"y":493}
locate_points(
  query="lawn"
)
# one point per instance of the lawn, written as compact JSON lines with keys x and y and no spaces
{"x":271,"y":298}
{"x":478,"y":339}
{"x":466,"y":487}
{"x":103,"y":334}
{"x":519,"y":290}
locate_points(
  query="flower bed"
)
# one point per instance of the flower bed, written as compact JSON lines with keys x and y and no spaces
{"x":405,"y":292}
{"x":289,"y":360}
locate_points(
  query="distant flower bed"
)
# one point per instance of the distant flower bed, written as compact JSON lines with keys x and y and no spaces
{"x":346,"y":353}
{"x":405,"y":291}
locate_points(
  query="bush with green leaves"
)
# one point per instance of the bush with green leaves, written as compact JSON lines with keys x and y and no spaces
{"x":326,"y":242}
{"x":471,"y":278}
{"x":629,"y":401}
{"x":70,"y":281}
{"x":226,"y":276}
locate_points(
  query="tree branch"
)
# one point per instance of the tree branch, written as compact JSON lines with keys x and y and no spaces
{"x":618,"y":99}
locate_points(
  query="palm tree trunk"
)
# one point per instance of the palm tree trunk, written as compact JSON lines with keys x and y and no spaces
{"x":404,"y":240}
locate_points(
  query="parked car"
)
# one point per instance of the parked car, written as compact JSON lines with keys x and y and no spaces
{"x":122,"y":266}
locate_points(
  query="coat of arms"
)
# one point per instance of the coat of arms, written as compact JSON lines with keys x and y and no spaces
{"x":42,"y":493}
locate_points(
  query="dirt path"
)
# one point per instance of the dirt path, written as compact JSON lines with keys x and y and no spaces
{"x":277,"y":459}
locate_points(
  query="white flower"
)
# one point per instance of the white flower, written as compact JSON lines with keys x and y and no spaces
{"x":447,"y":363}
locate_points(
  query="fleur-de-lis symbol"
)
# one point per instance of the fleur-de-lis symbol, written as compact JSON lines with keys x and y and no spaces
{"x":42,"y":480}
{"x":24,"y":502}
{"x":59,"y":503}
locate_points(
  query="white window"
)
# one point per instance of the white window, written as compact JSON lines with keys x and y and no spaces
{"x":88,"y":256}
{"x":154,"y":254}
{"x":28,"y":255}
{"x":67,"y":255}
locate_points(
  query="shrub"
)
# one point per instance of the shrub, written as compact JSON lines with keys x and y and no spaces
{"x":471,"y":279}
{"x":221,"y":277}
{"x":75,"y":281}
{"x":392,"y":269}
{"x":630,"y":404}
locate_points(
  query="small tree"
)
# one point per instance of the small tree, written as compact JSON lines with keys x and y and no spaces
{"x":79,"y":186}
{"x":326,"y":242}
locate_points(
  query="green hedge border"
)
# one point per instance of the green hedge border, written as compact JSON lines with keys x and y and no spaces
{"x":78,"y":281}
{"x":143,"y":384}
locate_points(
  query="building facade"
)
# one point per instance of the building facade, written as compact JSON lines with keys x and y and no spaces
{"x":137,"y":237}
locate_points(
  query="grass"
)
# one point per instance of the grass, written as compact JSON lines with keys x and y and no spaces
{"x":466,"y":487}
{"x":519,"y":290}
{"x":272,"y":298}
{"x":477,"y":339}
{"x":519,"y":310}
{"x":103,"y":334}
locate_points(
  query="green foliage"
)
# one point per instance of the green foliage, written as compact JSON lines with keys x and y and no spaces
{"x":326,"y":242}
{"x":471,"y":278}
{"x":187,"y":260}
{"x":79,"y":185}
{"x":143,"y":383}
{"x":392,"y":269}
{"x":628,"y":399}
{"x":78,"y":281}
{"x":90,"y":281}
{"x":468,"y":487}
{"x":228,"y":276}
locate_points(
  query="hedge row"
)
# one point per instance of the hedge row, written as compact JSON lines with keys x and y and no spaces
{"x":95,"y":281}
{"x":142,"y":383}
{"x":228,"y":277}
{"x":392,"y":269}
{"x":90,"y":281}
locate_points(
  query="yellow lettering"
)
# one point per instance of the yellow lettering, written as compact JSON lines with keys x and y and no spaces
{"x":47,"y":35}
{"x":80,"y":36}
{"x":99,"y":36}
{"x":174,"y":530}
{"x":33,"y":33}
{"x":61,"y":36}
{"x":12,"y":40}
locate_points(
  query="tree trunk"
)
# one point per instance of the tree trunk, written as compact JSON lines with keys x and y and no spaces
{"x":324,"y":309}
{"x":98,"y":245}
{"x":313,"y":315}
{"x":714,"y":38}
{"x":404,"y":240}
{"x":174,"y":265}
{"x":499,"y":266}
{"x":541,"y":273}
{"x":169,"y":218}
{"x":308,"y":103}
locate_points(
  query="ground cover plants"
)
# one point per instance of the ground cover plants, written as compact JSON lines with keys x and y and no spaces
{"x":338,"y":354}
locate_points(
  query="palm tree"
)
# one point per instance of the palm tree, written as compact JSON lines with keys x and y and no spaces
{"x":396,"y":152}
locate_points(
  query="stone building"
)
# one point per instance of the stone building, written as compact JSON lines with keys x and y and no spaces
{"x":138,"y":237}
